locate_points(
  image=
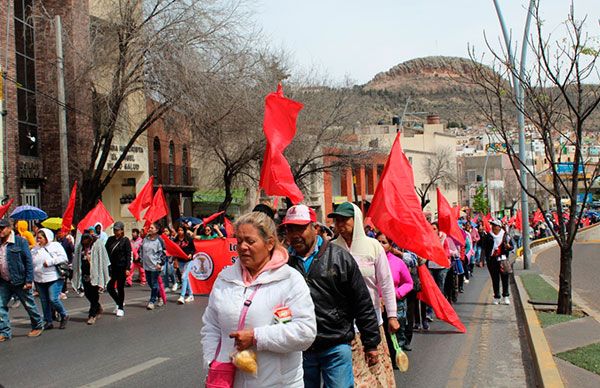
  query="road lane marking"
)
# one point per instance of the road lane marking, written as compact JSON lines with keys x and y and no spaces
{"x":103,"y":382}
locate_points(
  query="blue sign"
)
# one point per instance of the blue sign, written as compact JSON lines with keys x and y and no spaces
{"x":567,"y":168}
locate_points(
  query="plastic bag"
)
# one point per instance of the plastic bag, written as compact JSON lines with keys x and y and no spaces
{"x":245,"y":361}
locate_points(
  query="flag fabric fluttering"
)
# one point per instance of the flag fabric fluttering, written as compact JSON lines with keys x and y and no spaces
{"x":538,"y":217}
{"x":519,"y":220}
{"x":158,"y":209}
{"x":142,"y":200}
{"x":279,"y":126}
{"x":447,"y":221}
{"x":486,"y":222}
{"x":4,"y":208}
{"x":229,"y":230}
{"x":431,"y":295}
{"x":173,"y":249}
{"x":396,"y":210}
{"x":67,"y":218}
{"x":209,"y":219}
{"x":97,"y":214}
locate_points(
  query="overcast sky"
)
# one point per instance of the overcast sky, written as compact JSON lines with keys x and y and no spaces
{"x":360,"y":38}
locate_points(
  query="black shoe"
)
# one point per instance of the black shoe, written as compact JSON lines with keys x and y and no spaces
{"x":406,"y":348}
{"x":48,"y":326}
{"x":63,"y":323}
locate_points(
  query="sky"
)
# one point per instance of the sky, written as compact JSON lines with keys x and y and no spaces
{"x":358,"y":38}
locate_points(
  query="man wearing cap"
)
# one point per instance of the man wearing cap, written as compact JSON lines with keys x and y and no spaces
{"x":119,"y":254}
{"x":340,"y":296}
{"x":16,"y":278}
{"x":375,"y":269}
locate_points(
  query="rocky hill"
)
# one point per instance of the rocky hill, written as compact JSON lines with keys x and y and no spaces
{"x":433,"y":84}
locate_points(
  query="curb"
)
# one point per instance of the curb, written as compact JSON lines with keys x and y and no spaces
{"x":546,"y":370}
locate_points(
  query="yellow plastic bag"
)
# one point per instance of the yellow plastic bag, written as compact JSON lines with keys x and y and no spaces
{"x":246,"y":361}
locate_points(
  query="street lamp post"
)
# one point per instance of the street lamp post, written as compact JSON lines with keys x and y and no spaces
{"x":519,"y":94}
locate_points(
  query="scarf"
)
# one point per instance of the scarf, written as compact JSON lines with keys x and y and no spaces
{"x":279,"y":258}
{"x":498,"y":239}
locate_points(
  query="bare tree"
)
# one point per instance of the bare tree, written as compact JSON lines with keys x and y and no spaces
{"x":440,"y":169}
{"x":137,"y":49}
{"x":558,"y":104}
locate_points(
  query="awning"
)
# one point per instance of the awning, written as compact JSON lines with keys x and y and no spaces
{"x":218,"y":196}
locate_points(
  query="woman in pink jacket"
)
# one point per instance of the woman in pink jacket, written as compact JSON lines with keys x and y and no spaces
{"x":403,"y":284}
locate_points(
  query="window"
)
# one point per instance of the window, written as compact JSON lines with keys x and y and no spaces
{"x":184,"y":165}
{"x":156,"y":158}
{"x":171,"y":162}
{"x":471,"y":176}
{"x":25,"y":68}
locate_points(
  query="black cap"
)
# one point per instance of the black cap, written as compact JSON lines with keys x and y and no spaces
{"x":4,"y":223}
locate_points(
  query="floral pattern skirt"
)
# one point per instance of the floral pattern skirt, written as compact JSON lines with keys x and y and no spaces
{"x":380,"y":375}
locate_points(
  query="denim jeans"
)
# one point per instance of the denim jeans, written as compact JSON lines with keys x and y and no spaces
{"x":49,"y":297}
{"x":168,"y":274}
{"x":7,"y":290}
{"x":152,"y":279}
{"x":186,"y":287}
{"x":334,"y":365}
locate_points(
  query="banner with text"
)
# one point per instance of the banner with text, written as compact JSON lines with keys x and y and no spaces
{"x":210,"y":258}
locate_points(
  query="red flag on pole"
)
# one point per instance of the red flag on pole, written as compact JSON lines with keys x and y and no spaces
{"x":207,"y":220}
{"x":447,"y":221}
{"x":538,"y":216}
{"x":555,"y":217}
{"x":97,"y":214}
{"x":142,"y":200}
{"x":229,"y":230}
{"x":280,"y":128}
{"x":396,"y":210}
{"x":158,"y":209}
{"x":519,"y":220}
{"x":486,"y":222}
{"x":173,"y":249}
{"x":67,"y":218}
{"x":4,"y":208}
{"x":432,"y":296}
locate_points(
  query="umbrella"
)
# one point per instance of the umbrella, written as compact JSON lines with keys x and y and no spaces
{"x":53,"y":223}
{"x":193,"y":220}
{"x":27,"y":212}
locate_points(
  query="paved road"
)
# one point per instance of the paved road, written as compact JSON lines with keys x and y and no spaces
{"x":162,"y":347}
{"x":585,"y":266}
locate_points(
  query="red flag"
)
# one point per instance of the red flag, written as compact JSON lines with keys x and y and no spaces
{"x":555,"y":217}
{"x":280,"y":128}
{"x":486,"y":222}
{"x":519,"y":220}
{"x":396,"y":210}
{"x":456,"y":212}
{"x":229,"y":230}
{"x":585,"y":221}
{"x":67,"y":218}
{"x":538,"y":217}
{"x":97,"y":214}
{"x":447,"y":221}
{"x":142,"y":200}
{"x":4,"y":208}
{"x":432,"y":296}
{"x":505,"y":220}
{"x":158,"y":209}
{"x":173,"y":249}
{"x":207,"y":220}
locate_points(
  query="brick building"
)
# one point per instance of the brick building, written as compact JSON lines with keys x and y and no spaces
{"x":31,"y":157}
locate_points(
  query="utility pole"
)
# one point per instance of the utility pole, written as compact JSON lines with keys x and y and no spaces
{"x":62,"y":115}
{"x":519,"y":94}
{"x":2,"y":143}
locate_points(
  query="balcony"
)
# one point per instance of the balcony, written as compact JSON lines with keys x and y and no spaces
{"x":173,"y":176}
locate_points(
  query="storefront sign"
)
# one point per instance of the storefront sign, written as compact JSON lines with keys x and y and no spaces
{"x":135,"y":160}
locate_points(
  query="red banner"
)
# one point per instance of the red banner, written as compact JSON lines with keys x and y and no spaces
{"x":210,"y":258}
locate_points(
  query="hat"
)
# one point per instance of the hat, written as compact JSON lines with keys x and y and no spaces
{"x":118,"y":225}
{"x":4,"y":223}
{"x":299,"y":215}
{"x":496,"y":222}
{"x":343,"y":210}
{"x":261,"y":207}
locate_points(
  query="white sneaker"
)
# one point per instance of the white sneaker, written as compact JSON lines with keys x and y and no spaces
{"x":116,"y":310}
{"x":175,"y":287}
{"x":160,"y":302}
{"x":180,"y":300}
{"x":120,"y":313}
{"x":150,"y":306}
{"x":466,"y":281}
{"x":496,"y":301}
{"x":506,"y":300}
{"x":189,"y":299}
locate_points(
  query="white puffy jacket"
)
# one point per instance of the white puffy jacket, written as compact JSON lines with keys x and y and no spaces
{"x":279,"y":346}
{"x":52,"y":254}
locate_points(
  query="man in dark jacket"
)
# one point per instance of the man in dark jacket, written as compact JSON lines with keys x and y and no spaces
{"x":119,"y":253}
{"x":341,"y":299}
{"x":16,"y":278}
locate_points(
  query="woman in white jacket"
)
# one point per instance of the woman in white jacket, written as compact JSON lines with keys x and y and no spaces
{"x":46,"y":255}
{"x":278,"y":341}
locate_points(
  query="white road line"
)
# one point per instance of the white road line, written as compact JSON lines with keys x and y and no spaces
{"x":126,"y":373}
{"x":73,"y":312}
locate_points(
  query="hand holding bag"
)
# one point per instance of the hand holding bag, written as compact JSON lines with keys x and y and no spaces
{"x":222,"y":374}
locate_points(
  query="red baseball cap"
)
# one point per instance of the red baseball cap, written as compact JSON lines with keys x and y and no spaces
{"x":299,"y":215}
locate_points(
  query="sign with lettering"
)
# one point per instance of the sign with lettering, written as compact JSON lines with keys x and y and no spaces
{"x":135,"y":160}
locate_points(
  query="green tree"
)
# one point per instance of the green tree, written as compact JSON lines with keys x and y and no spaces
{"x":480,"y":201}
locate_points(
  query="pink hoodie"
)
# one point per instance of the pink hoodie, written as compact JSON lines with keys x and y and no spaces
{"x":403,"y":283}
{"x":279,"y":257}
